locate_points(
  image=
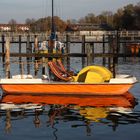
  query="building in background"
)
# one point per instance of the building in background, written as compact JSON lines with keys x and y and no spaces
{"x":14,"y":28}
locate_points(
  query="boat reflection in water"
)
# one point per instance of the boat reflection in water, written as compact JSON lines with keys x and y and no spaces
{"x":87,"y":109}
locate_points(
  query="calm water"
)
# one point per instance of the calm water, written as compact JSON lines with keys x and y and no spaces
{"x":72,"y":122}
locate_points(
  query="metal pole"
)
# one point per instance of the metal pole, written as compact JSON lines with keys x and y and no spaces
{"x":52,"y":15}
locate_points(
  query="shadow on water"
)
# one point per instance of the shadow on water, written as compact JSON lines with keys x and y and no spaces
{"x":78,"y":111}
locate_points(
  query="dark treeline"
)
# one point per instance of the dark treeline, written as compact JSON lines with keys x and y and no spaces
{"x":44,"y":24}
{"x":126,"y":18}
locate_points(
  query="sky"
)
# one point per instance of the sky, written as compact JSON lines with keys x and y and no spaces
{"x":20,"y":10}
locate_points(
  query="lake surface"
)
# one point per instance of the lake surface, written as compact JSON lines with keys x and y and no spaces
{"x":63,"y":121}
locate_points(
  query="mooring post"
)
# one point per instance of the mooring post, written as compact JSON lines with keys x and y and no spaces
{"x":89,"y":54}
{"x":104,"y":59}
{"x":28,"y":52}
{"x":109,"y":51}
{"x":36,"y":51}
{"x":117,"y":46}
{"x":114,"y":63}
{"x":22,"y":70}
{"x":31,"y":50}
{"x":83,"y":50}
{"x":112,"y":49}
{"x":36,"y":43}
{"x":93,"y":51}
{"x":68,"y":51}
{"x":116,"y":49}
{"x":3,"y":46}
{"x":43,"y":66}
{"x":20,"y":67}
{"x":124,"y":51}
{"x":35,"y":68}
{"x":7,"y":57}
{"x":19,"y":47}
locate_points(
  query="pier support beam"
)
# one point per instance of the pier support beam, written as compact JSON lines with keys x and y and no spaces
{"x":36,"y":44}
{"x":28,"y":52}
{"x":83,"y":50}
{"x":68,"y":51}
{"x":7,"y":57}
{"x":3,"y":46}
{"x":104,"y":59}
{"x":89,"y":54}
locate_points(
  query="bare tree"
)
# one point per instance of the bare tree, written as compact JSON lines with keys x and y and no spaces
{"x":13,"y":23}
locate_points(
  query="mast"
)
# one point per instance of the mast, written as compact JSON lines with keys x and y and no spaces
{"x":53,"y":34}
{"x":52,"y":28}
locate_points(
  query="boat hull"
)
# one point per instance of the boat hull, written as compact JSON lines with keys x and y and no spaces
{"x":68,"y":89}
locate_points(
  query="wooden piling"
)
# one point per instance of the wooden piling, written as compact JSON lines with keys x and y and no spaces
{"x":117,"y":46}
{"x":22,"y":70}
{"x":36,"y":59}
{"x":68,"y":51}
{"x":83,"y":50}
{"x":28,"y":52}
{"x":36,"y":43}
{"x":93,"y":51}
{"x":124,"y":51}
{"x":35,"y":68}
{"x":20,"y":47}
{"x":109,"y":51}
{"x":20,"y":58}
{"x":113,"y":50}
{"x":114,"y":65}
{"x":7,"y":57}
{"x":3,"y":46}
{"x":104,"y":60}
{"x":89,"y":54}
{"x":43,"y":66}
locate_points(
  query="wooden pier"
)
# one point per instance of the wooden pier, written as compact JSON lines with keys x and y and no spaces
{"x":113,"y":46}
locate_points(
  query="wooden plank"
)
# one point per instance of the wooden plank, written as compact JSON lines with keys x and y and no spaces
{"x":68,"y":55}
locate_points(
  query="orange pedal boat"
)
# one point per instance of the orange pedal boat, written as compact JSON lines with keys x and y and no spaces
{"x":65,"y":88}
{"x":91,"y":80}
